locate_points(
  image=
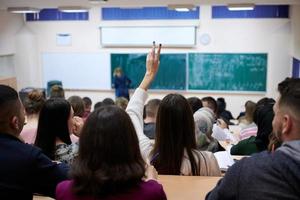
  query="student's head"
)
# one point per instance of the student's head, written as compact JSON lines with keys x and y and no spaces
{"x":77,"y":105}
{"x":34,"y":102}
{"x":108,"y":102}
{"x":55,"y":122}
{"x":109,"y":159}
{"x":195,"y":103}
{"x":57,"y":92}
{"x":12,"y":114}
{"x":204,"y":120}
{"x":249,"y":110}
{"x":97,"y":105}
{"x":151,"y":108}
{"x":286,"y":123}
{"x":263,"y":117}
{"x":221,"y":104}
{"x":175,"y":132}
{"x":87,"y":104}
{"x":122,"y":102}
{"x":210,"y":103}
{"x":118,"y":71}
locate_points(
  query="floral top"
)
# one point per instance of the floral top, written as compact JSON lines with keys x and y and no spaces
{"x":66,"y":153}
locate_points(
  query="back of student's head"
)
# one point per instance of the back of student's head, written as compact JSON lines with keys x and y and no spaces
{"x":109,"y":159}
{"x":204,"y":120}
{"x":34,"y":102}
{"x":77,"y":105}
{"x":57,"y":91}
{"x":151,"y":107}
{"x":122,"y":102}
{"x":195,"y":103}
{"x":97,"y":105}
{"x":87,"y":102}
{"x":289,"y":90}
{"x":54,"y":122}
{"x":175,"y":132}
{"x":221,"y":104}
{"x":211,"y":103}
{"x":263,"y":117}
{"x":250,"y":107}
{"x":108,"y":102}
{"x":10,"y":106}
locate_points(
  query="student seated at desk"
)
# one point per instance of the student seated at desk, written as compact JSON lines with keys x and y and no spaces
{"x":263,"y":117}
{"x":174,"y":152}
{"x":270,"y":175}
{"x":150,"y":119}
{"x":248,"y":127}
{"x":33,"y":103}
{"x":109,"y":164}
{"x":204,"y":120}
{"x":220,"y":128}
{"x":55,"y":125}
{"x":24,"y":169}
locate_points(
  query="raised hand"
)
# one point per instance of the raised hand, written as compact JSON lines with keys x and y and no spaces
{"x":152,"y":65}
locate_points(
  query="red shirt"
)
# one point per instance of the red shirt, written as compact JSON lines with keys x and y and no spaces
{"x":150,"y":190}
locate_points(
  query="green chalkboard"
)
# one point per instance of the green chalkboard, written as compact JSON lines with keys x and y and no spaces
{"x":171,"y":74}
{"x":225,"y":71}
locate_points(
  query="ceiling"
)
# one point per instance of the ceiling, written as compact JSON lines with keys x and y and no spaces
{"x":130,"y":3}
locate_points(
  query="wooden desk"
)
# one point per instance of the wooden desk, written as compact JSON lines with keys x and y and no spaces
{"x":187,"y":187}
{"x":36,"y":197}
{"x":238,"y":157}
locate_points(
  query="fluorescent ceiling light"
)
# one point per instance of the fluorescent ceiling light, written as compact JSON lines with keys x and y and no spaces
{"x":181,"y":7}
{"x":23,"y":10}
{"x":97,"y":1}
{"x":239,"y":7}
{"x":73,"y":9}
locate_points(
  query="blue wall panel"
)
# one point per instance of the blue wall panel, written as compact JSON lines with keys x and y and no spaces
{"x":260,"y":11}
{"x":296,"y":68}
{"x":56,"y":15}
{"x":147,"y":13}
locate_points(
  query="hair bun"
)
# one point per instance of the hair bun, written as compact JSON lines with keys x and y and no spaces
{"x":35,"y":95}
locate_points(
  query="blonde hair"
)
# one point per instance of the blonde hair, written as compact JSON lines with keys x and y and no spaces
{"x":122,"y":102}
{"x":118,"y":70}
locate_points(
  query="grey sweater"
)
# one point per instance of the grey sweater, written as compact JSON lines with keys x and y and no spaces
{"x":263,"y":176}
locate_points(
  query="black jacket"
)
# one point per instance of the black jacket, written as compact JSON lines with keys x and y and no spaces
{"x":24,"y":170}
{"x":263,"y":176}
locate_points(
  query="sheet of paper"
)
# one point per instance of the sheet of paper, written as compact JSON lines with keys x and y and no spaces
{"x":224,"y":160}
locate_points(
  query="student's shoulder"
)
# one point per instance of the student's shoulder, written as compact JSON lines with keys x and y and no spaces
{"x":153,"y":190}
{"x":256,"y":162}
{"x":63,"y":189}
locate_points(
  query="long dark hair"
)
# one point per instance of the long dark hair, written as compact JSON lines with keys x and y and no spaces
{"x":109,"y":159}
{"x":175,"y":133}
{"x":53,"y":123}
{"x":263,"y":117}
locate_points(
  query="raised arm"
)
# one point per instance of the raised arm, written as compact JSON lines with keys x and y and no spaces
{"x":137,"y":101}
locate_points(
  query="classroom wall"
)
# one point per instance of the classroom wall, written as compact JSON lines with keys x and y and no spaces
{"x":10,"y":24}
{"x":7,"y":68}
{"x":272,"y":36}
{"x":295,"y":19}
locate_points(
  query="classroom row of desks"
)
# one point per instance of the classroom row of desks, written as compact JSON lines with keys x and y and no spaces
{"x":180,"y":187}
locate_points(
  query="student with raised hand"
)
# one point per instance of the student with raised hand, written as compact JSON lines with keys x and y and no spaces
{"x":174,"y":152}
{"x":55,"y":126}
{"x":275,"y":174}
{"x":110,"y":165}
{"x":24,"y":169}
